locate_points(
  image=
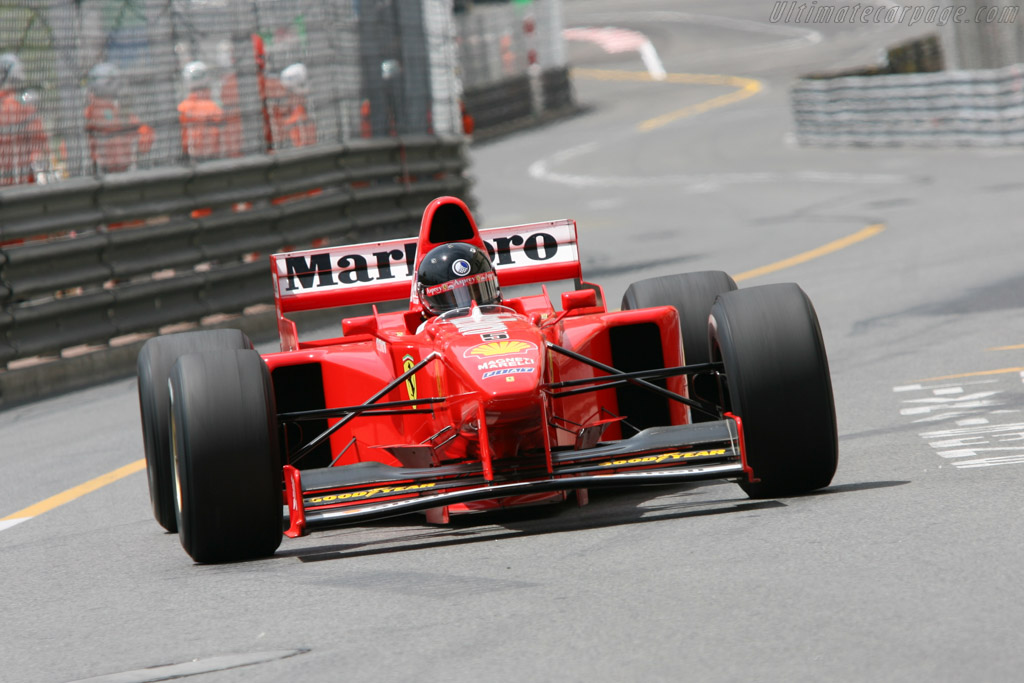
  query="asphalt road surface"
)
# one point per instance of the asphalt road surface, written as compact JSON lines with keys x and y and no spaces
{"x":905,"y":569}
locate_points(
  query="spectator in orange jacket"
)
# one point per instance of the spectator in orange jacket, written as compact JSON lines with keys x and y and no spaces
{"x":201,"y":118}
{"x":296,"y":123}
{"x":23,"y":142}
{"x":116,"y":139}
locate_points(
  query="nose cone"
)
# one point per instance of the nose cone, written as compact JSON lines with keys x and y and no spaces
{"x":506,"y":366}
{"x":494,"y":352}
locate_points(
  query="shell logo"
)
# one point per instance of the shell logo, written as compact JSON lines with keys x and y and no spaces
{"x":500,"y":348}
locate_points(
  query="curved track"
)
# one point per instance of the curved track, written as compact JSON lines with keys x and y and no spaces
{"x":902,"y":570}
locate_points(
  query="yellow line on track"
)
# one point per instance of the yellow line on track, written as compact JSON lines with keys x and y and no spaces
{"x":745,"y":87}
{"x":1014,"y":347}
{"x":77,"y":491}
{"x":831,"y":247}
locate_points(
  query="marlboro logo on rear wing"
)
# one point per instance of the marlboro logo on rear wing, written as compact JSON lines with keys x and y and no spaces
{"x":383,"y":271}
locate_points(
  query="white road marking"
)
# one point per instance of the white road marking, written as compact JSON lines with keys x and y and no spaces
{"x":614,"y":40}
{"x":941,"y":417}
{"x":705,"y":182}
{"x":972,"y":452}
{"x":990,"y":462}
{"x":972,"y":440}
{"x":8,"y":523}
{"x":651,"y":60}
{"x":195,"y":667}
{"x":953,"y":401}
{"x":918,"y":387}
{"x":974,"y":435}
{"x":1016,"y":430}
{"x":944,"y":408}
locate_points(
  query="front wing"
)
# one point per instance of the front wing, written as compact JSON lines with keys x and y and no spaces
{"x":339,"y":496}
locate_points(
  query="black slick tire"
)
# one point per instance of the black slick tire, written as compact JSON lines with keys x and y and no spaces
{"x":155,"y":361}
{"x":778,"y":383}
{"x":227,"y":462}
{"x":692,"y":295}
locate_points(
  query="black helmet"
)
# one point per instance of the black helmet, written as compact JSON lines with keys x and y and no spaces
{"x":452,"y":275}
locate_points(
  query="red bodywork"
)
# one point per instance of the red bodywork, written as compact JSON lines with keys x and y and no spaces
{"x":475,"y":409}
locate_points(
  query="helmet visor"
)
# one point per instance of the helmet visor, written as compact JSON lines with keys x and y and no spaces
{"x":459,"y":293}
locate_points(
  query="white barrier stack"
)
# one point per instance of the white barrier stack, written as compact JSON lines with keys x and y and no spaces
{"x":983,"y":107}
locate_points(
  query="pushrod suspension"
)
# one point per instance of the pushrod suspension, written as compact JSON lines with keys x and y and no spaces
{"x":322,"y":413}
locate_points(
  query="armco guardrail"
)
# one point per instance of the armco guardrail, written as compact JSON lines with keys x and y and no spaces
{"x":979,"y":107}
{"x":519,"y":102}
{"x":86,"y":261}
{"x":512,"y":63}
{"x":499,"y":103}
{"x":556,"y":90}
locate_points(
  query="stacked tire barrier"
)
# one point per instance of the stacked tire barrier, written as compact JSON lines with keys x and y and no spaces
{"x":877,"y":108}
{"x":89,"y":260}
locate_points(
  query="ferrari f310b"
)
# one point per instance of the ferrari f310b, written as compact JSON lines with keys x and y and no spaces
{"x":469,"y":400}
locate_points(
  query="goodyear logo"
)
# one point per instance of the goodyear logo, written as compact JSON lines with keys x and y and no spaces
{"x":410,"y":384}
{"x":661,"y":457}
{"x":500,"y":348}
{"x":370,"y":493}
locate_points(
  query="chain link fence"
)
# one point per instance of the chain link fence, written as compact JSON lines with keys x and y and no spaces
{"x":512,"y":63}
{"x":122,"y":85}
{"x":501,"y":41}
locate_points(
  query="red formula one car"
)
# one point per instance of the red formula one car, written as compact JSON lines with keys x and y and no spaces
{"x":469,"y":400}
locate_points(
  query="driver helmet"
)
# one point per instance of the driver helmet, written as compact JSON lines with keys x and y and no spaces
{"x":453,"y":275}
{"x":196,"y":76}
{"x":295,"y":79}
{"x":104,"y":79}
{"x":12,"y":74}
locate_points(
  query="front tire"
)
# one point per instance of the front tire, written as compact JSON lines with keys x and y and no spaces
{"x":227,"y":462}
{"x":156,"y":359}
{"x":778,"y":383}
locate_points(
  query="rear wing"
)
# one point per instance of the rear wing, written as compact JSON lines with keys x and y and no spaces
{"x":383,"y":271}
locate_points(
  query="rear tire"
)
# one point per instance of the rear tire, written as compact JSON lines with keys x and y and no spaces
{"x":227,"y":462}
{"x":156,"y":359}
{"x":692,"y":295}
{"x":778,"y":383}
